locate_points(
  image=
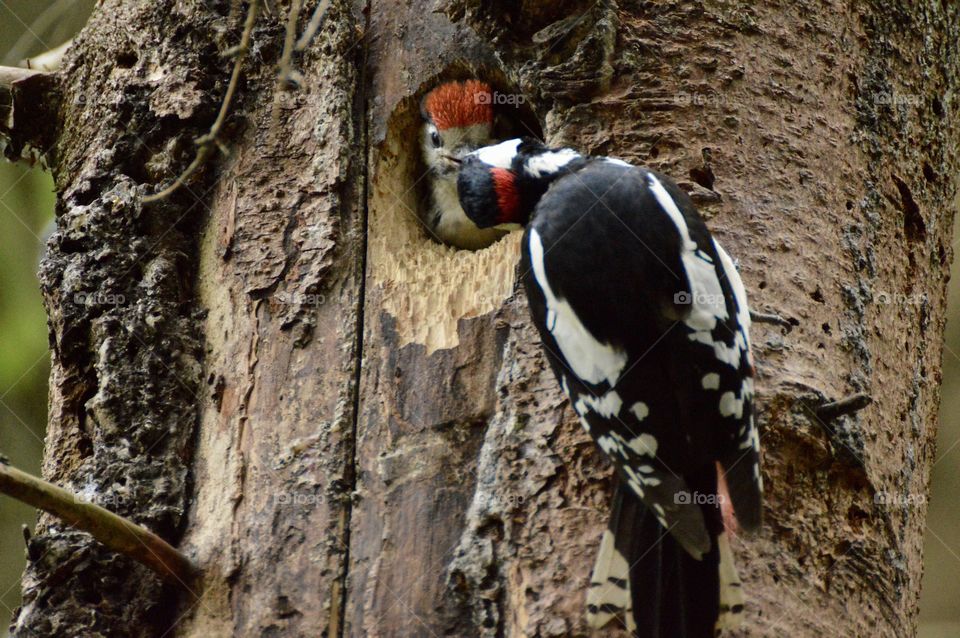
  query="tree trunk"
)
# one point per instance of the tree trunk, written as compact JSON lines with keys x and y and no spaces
{"x":352,"y":429}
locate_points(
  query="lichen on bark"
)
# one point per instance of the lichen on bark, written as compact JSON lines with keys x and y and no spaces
{"x":368,"y":468}
{"x":117,"y":279}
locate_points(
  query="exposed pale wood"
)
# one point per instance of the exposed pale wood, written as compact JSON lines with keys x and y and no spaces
{"x":380,"y":447}
{"x":425,"y":287}
{"x":11,"y":74}
{"x":480,"y":500}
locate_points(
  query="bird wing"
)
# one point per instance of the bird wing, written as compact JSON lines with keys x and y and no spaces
{"x":604,"y":261}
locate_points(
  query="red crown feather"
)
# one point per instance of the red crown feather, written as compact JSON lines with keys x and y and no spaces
{"x":458,"y":105}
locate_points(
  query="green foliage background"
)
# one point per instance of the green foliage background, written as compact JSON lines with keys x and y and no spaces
{"x":940,"y":598}
{"x":25,"y":207}
{"x":27,"y":27}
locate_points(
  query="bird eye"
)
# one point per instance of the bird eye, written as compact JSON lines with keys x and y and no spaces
{"x":435,"y":138}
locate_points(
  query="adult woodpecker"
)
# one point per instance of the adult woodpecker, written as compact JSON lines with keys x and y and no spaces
{"x":458,"y":119}
{"x":645,"y":322}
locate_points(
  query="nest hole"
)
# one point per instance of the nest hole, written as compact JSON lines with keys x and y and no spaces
{"x":429,"y":286}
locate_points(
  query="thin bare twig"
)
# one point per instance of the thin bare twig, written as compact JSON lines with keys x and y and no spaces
{"x":49,"y":60}
{"x":11,"y":74}
{"x":777,"y":320}
{"x":115,"y":532}
{"x":289,"y":40}
{"x":847,"y":405}
{"x":207,"y":143}
{"x":286,"y":75}
{"x":313,"y":25}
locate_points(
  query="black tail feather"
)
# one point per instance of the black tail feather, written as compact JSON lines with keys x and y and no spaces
{"x":671,"y":594}
{"x":742,"y":472}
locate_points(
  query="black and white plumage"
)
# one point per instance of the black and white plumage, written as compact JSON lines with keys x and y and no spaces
{"x":645,"y":322}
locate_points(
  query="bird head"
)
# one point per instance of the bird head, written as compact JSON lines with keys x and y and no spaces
{"x":500,"y":185}
{"x":458,"y":119}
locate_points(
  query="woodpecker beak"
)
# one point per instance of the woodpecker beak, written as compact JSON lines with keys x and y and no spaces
{"x":508,"y":227}
{"x":447,"y":165}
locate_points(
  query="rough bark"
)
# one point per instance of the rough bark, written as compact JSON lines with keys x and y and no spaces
{"x":352,"y":429}
{"x":205,"y":308}
{"x":118,"y":285}
{"x":280,"y":281}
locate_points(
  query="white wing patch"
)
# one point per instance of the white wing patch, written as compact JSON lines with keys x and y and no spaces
{"x":710,"y":381}
{"x":614,"y":445}
{"x":549,"y":162}
{"x":708,"y":304}
{"x":609,"y":444}
{"x":739,"y":292}
{"x":706,"y":294}
{"x":644,"y":444}
{"x":606,"y":406}
{"x":731,"y":405}
{"x":589,"y":359}
{"x":499,"y":155}
{"x":640,"y":410}
{"x":637,"y":480}
{"x":741,"y":342}
{"x":752,"y":438}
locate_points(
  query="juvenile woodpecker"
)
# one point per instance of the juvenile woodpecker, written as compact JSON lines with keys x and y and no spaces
{"x":458,"y":119}
{"x":645,"y":322}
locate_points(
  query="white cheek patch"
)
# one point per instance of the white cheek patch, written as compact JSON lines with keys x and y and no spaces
{"x":549,"y":162}
{"x":499,"y":155}
{"x":589,"y":359}
{"x":617,"y":162}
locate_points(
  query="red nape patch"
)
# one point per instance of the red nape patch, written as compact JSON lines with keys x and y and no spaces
{"x":508,"y":199}
{"x":457,"y":105}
